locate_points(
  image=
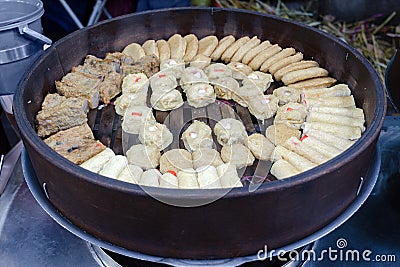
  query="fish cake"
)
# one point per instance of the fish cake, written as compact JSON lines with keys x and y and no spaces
{"x":314,"y":83}
{"x":176,"y":160}
{"x":230,"y":131}
{"x":155,"y":134}
{"x":282,"y":169}
{"x":255,"y":51}
{"x":284,"y":53}
{"x":286,"y":94}
{"x":238,"y":155}
{"x":239,"y":54}
{"x":200,"y":95}
{"x":224,"y":87}
{"x":165,"y":101}
{"x":223,"y":44}
{"x":200,"y":61}
{"x":305,"y":74}
{"x":231,"y":50}
{"x":192,"y":46}
{"x":134,"y":50}
{"x":150,"y":48}
{"x":206,"y":157}
{"x":196,"y":136}
{"x":303,"y":64}
{"x":177,"y":46}
{"x":146,"y":157}
{"x":260,"y":146}
{"x":207,"y":45}
{"x":164,"y":52}
{"x":239,"y":70}
{"x":279,"y":133}
{"x":258,"y":60}
{"x":207,"y":177}
{"x":285,"y":62}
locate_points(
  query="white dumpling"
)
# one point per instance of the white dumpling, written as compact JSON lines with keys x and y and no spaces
{"x":230,"y":131}
{"x":146,"y":157}
{"x":132,"y":83}
{"x":238,"y":155}
{"x":197,"y":135}
{"x":134,"y":117}
{"x":165,"y":101}
{"x":155,"y":134}
{"x":200,"y":95}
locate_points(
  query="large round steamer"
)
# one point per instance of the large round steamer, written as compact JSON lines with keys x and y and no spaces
{"x":241,"y":223}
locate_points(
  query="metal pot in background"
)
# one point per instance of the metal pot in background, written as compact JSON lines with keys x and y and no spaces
{"x":21,"y":40}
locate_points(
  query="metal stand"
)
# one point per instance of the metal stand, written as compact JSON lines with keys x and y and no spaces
{"x":94,"y":17}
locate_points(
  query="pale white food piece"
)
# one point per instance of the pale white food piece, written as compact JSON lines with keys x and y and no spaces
{"x":238,"y":155}
{"x":200,"y":95}
{"x":114,"y":166}
{"x":177,"y":46}
{"x":225,"y":87}
{"x":343,"y":131}
{"x":314,"y":116}
{"x":196,"y":136}
{"x":192,"y":46}
{"x":207,"y":177}
{"x":131,"y":174}
{"x":169,"y":180}
{"x":155,"y":134}
{"x":207,"y":45}
{"x":150,"y":48}
{"x":230,"y":131}
{"x":134,"y":50}
{"x":239,"y":54}
{"x":132,"y":83}
{"x":173,"y":67}
{"x":191,"y":76}
{"x":223,"y":44}
{"x":279,"y":133}
{"x":206,"y":157}
{"x":126,"y":99}
{"x":305,"y":150}
{"x":252,"y":53}
{"x":134,"y":117}
{"x":164,"y":51}
{"x":336,"y":90}
{"x":246,"y":93}
{"x":228,"y":176}
{"x":165,"y":101}
{"x":163,"y":82}
{"x":239,"y":70}
{"x":357,"y":113}
{"x":286,"y":94}
{"x":151,"y":177}
{"x":96,"y":163}
{"x":218,"y":70}
{"x":299,"y":162}
{"x":338,"y":142}
{"x":200,"y":61}
{"x":282,"y":169}
{"x":260,"y":79}
{"x":292,"y":113}
{"x":263,"y":108}
{"x":305,"y":74}
{"x":331,"y":101}
{"x":187,"y":179}
{"x":260,"y":146}
{"x":146,"y":157}
{"x":176,"y":160}
{"x":325,"y":149}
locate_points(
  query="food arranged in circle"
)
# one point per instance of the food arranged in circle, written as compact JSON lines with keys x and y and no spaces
{"x":283,"y":108}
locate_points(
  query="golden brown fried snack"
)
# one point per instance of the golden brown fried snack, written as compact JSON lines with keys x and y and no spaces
{"x":207,"y":45}
{"x":238,"y":56}
{"x":285,"y":62}
{"x":231,"y":50}
{"x":223,"y":44}
{"x":287,"y":52}
{"x":258,"y":60}
{"x":252,"y":53}
{"x":150,"y":48}
{"x":177,"y":46}
{"x":192,"y":45}
{"x":163,"y":49}
{"x":303,"y":64}
{"x":314,"y":83}
{"x":301,"y":75}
